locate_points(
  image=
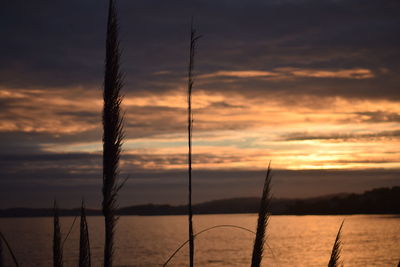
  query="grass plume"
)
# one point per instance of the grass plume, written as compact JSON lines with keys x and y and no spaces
{"x":113,"y":131}
{"x":263,"y":217}
{"x":57,"y":246}
{"x":4,"y":240}
{"x":193,"y":39}
{"x":84,"y":244}
{"x":337,"y":247}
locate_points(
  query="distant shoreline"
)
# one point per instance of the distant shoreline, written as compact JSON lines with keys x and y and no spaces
{"x":380,"y":201}
{"x":162,"y":215}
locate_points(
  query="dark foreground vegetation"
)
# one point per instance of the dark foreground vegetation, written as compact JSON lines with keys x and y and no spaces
{"x":376,"y":201}
{"x":383,"y":200}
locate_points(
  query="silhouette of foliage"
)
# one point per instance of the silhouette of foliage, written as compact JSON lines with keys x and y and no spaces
{"x":57,"y":247}
{"x":113,"y":131}
{"x":84,"y":244}
{"x":263,"y":217}
{"x":335,"y":255}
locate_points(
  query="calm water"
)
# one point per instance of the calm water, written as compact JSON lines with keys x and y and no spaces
{"x":149,"y":241}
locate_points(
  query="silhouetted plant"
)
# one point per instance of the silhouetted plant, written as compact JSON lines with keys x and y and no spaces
{"x":4,"y":240}
{"x":337,"y":247}
{"x":1,"y":254}
{"x":69,"y":232}
{"x":203,"y":231}
{"x":193,"y":38}
{"x":84,"y":244}
{"x":113,"y":131}
{"x":57,"y":247}
{"x":263,"y":217}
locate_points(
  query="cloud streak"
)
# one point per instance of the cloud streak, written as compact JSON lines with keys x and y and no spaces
{"x":292,"y":73}
{"x":342,"y":137}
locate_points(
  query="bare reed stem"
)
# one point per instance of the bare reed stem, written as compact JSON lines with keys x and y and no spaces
{"x":1,"y":254}
{"x":263,"y":217}
{"x":203,"y":231}
{"x":193,"y":39}
{"x":113,"y":131}
{"x":69,"y":232}
{"x":3,"y":239}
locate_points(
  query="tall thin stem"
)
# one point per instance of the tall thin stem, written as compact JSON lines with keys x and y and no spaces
{"x":113,"y":131}
{"x":193,"y":39}
{"x":203,"y":231}
{"x":3,"y":239}
{"x":1,"y":254}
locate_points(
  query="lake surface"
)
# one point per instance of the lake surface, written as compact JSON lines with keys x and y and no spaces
{"x":144,"y":241}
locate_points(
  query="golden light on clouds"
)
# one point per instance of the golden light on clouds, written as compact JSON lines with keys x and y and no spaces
{"x":231,"y":131}
{"x":288,"y":72}
{"x":341,"y":73}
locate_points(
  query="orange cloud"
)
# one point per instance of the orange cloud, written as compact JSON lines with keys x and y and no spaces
{"x":230,"y":131}
{"x":289,"y":72}
{"x":340,"y":74}
{"x":240,"y":74}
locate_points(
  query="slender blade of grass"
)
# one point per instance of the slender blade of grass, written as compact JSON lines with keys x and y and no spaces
{"x":193,"y":39}
{"x":69,"y":232}
{"x":57,"y":247}
{"x":84,"y":244}
{"x":1,"y":254}
{"x":334,"y":261}
{"x":203,"y":231}
{"x":113,"y":131}
{"x":3,"y":239}
{"x":263,"y":217}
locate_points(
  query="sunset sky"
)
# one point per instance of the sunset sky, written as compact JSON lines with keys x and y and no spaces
{"x":311,"y":85}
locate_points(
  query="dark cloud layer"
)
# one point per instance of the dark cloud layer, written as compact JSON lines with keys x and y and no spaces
{"x":70,"y":177}
{"x":170,"y":186}
{"x":62,"y":44}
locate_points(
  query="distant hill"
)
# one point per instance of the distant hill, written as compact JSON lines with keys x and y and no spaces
{"x":376,"y":201}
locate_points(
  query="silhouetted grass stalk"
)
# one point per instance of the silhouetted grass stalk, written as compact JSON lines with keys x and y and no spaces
{"x":69,"y":232}
{"x":113,"y":131}
{"x":263,"y":217}
{"x":84,"y":244}
{"x":337,"y":247}
{"x":203,"y":231}
{"x":1,"y":253}
{"x":4,"y":240}
{"x":193,"y":39}
{"x":57,"y":247}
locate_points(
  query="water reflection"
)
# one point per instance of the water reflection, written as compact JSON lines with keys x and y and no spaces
{"x":149,"y":241}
